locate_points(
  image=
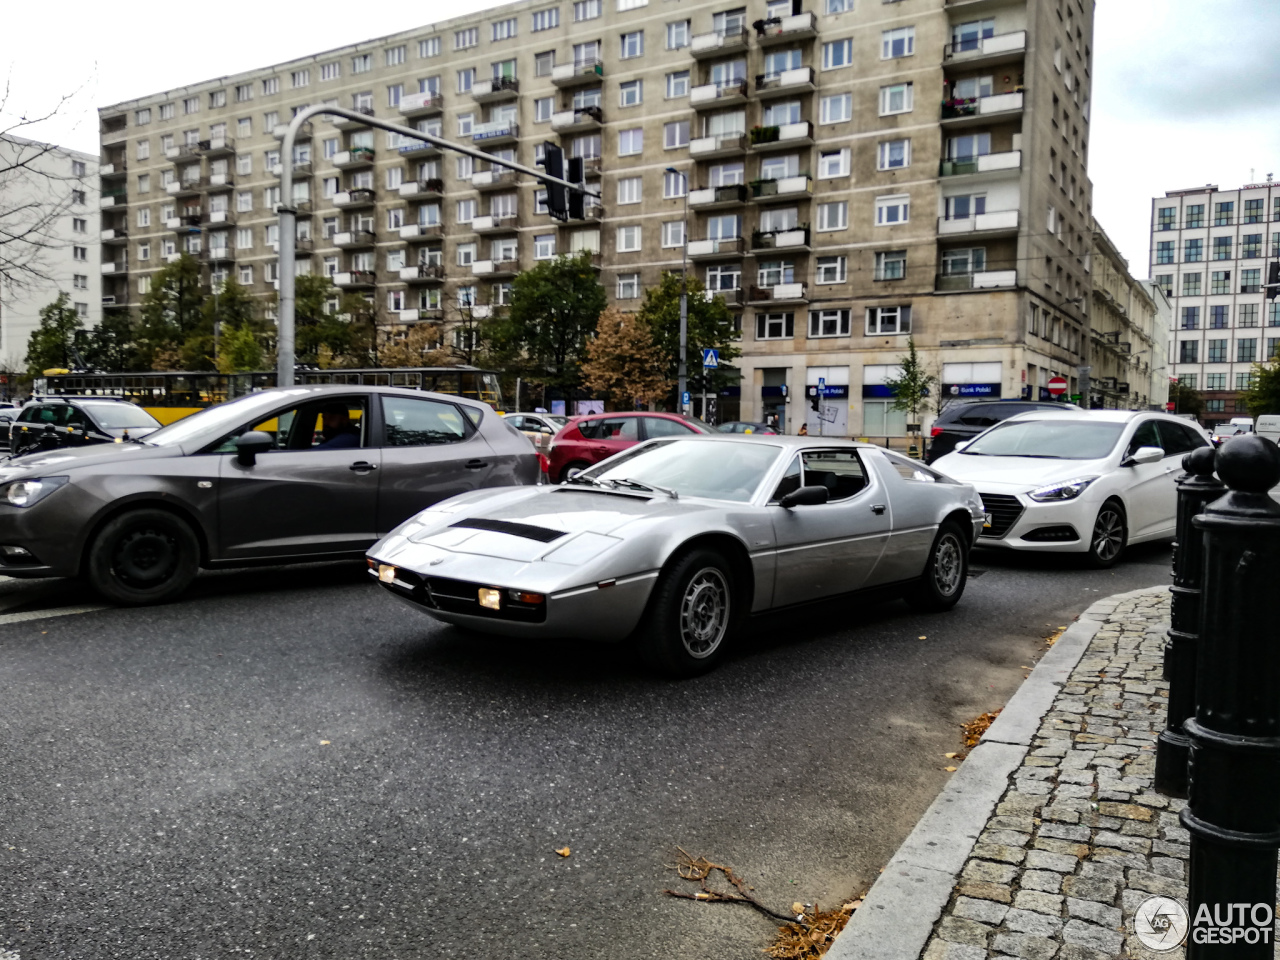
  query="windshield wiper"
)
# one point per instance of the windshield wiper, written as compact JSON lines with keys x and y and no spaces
{"x":641,"y":485}
{"x":583,"y":478}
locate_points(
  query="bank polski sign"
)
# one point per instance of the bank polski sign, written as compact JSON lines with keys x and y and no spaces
{"x":971,"y":389}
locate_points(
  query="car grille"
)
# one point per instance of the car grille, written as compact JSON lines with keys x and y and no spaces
{"x":461,"y":596}
{"x":1003,"y":511}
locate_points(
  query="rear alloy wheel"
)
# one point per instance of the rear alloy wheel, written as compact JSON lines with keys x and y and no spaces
{"x":143,"y":557}
{"x":571,"y":470}
{"x":690,"y":615}
{"x":945,"y":573}
{"x":1110,"y":534}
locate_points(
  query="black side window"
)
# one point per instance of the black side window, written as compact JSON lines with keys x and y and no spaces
{"x":1144,"y":436}
{"x":840,"y":471}
{"x":790,"y":481}
{"x":1174,"y":439}
{"x":1195,"y":437}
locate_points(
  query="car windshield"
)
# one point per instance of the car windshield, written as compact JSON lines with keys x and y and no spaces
{"x":1047,"y":439}
{"x":207,"y":424}
{"x":120,"y":416}
{"x":694,"y":468}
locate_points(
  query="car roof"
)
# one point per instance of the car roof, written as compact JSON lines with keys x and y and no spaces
{"x":633,"y":413}
{"x":775,"y":439}
{"x":1103,"y":416}
{"x":320,"y":389}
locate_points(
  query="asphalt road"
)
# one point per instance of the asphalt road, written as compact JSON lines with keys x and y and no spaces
{"x":289,"y":763}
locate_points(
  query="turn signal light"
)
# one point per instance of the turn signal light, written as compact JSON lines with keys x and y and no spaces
{"x":524,"y":597}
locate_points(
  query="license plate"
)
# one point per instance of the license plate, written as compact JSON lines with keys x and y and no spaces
{"x":386,"y":573}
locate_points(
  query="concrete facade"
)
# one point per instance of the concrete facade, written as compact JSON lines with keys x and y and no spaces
{"x":48,"y":198}
{"x":1128,"y":349}
{"x":1210,"y":251}
{"x":838,"y":202}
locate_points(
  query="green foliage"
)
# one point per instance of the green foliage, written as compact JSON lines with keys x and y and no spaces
{"x":239,"y":350}
{"x":710,"y":325}
{"x":173,"y":319}
{"x":1263,"y":395}
{"x":911,"y":387}
{"x":543,"y":334}
{"x":52,"y":343}
{"x":341,"y":338}
{"x":109,"y":345}
{"x":1186,"y":399}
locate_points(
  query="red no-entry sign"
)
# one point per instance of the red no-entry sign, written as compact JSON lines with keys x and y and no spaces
{"x":1058,"y":386}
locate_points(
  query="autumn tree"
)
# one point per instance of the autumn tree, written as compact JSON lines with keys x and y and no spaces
{"x":419,"y":347}
{"x":710,"y":325}
{"x":53,"y":343}
{"x":1263,"y":395}
{"x":239,"y":350}
{"x":911,"y":387}
{"x":624,"y":364}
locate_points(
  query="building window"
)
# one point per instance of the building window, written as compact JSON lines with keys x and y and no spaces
{"x":1164,"y":251}
{"x":394,"y":55}
{"x":79,"y":226}
{"x":191,"y":105}
{"x":144,"y":251}
{"x":1191,"y":284}
{"x":833,"y":163}
{"x":300,"y":78}
{"x":891,"y":265}
{"x":466,"y":79}
{"x":166,"y":111}
{"x":896,"y":98}
{"x":674,"y":186}
{"x":630,"y":93}
{"x":893,"y":154}
{"x":1190,"y":318}
{"x":632,"y":45}
{"x":1219,"y":317}
{"x":1215,"y":406}
{"x":466,"y":211}
{"x":1250,"y":281}
{"x":142,"y":117}
{"x":465,"y":39}
{"x":1219,"y":282}
{"x":503,"y":29}
{"x":1247,"y":315}
{"x":628,"y":286}
{"x":832,"y":269}
{"x":270,"y":86}
{"x":677,"y":34}
{"x":839,"y":6}
{"x":80,"y":253}
{"x":1193,"y":251}
{"x":1273,"y":314}
{"x":1188,"y":380}
{"x":544,"y":246}
{"x":144,"y":217}
{"x":1165,"y":282}
{"x":1224,"y":213}
{"x":1194,"y":216}
{"x":678,"y":84}
{"x":1251,"y":246}
{"x":628,"y":239}
{"x":544,"y":63}
{"x":837,"y":108}
{"x":1247,"y":350}
{"x":542,"y":109}
{"x":394,"y":92}
{"x":429,"y":47}
{"x":629,"y":190}
{"x":893,"y":320}
{"x":897,"y":43}
{"x":833,"y":216}
{"x":890,"y":210}
{"x":964,"y":261}
{"x":837,"y":53}
{"x":1166,"y":218}
{"x":1222,"y":248}
{"x":631,"y":142}
{"x":144,"y":183}
{"x":675,"y":134}
{"x":724,"y":277}
{"x":775,"y":326}
{"x":586,"y":10}
{"x":673,"y":233}
{"x":1215,"y":381}
{"x":546,"y":19}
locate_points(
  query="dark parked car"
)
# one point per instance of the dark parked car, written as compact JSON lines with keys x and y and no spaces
{"x":959,"y":422}
{"x":288,"y":474}
{"x":77,"y":422}
{"x":742,"y":426}
{"x":586,"y":441}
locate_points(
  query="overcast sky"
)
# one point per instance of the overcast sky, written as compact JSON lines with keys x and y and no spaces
{"x":1184,"y":92}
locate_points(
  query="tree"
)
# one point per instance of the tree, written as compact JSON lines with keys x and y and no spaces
{"x":1263,"y":395}
{"x":1186,"y":399}
{"x":710,"y":325}
{"x":239,"y":350}
{"x":328,"y":324}
{"x":419,"y":347}
{"x":911,"y":387}
{"x":542,"y":336}
{"x":624,"y":363}
{"x":172,"y":319}
{"x":52,"y":343}
{"x":110,"y":346}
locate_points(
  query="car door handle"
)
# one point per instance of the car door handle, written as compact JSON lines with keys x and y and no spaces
{"x":475,"y":464}
{"x":363,"y":466}
{"x":877,"y":508}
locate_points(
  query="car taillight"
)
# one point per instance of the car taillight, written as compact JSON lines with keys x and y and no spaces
{"x":935,"y":432}
{"x":544,"y":464}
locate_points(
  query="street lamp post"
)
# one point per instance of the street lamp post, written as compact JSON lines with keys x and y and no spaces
{"x":682,"y":368}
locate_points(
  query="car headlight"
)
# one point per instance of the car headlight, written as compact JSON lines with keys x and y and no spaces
{"x":1065,"y":490}
{"x":23,"y":493}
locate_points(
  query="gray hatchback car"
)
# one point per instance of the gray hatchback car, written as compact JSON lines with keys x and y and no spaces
{"x":285,"y":475}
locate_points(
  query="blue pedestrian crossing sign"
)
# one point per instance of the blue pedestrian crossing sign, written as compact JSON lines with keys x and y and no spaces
{"x":710,"y":359}
{"x":684,"y":398}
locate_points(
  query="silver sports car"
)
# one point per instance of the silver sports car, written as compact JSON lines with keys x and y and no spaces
{"x":674,"y":542}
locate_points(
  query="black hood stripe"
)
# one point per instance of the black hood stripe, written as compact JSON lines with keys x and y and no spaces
{"x":526,"y":530}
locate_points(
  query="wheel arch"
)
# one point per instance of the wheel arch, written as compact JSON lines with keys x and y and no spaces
{"x":733,"y":550}
{"x":964,"y":521}
{"x":146,"y":503}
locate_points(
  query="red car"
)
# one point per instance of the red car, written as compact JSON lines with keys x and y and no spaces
{"x":588,"y":440}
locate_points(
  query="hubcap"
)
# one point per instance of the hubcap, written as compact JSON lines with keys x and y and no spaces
{"x":704,"y":613}
{"x":948,"y":565}
{"x":145,"y":557}
{"x":1108,"y":535}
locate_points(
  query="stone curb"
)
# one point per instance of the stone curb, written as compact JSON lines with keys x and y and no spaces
{"x":898,"y":913}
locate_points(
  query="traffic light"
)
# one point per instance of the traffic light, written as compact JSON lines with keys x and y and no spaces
{"x":1273,"y":279}
{"x":576,"y":197}
{"x":557,"y":199}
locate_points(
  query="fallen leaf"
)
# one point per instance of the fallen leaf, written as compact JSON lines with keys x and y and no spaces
{"x":949,"y":769}
{"x":922,"y":638}
{"x":564,"y":851}
{"x":696,"y":896}
{"x":797,"y":907}
{"x":949,"y":756}
{"x":324,"y":743}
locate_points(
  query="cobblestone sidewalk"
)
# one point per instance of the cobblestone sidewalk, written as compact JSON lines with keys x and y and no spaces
{"x":1079,"y":840}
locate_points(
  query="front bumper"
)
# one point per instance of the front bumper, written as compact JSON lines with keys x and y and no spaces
{"x":1062,"y":527}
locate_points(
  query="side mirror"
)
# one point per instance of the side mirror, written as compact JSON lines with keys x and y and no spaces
{"x":805,"y":497}
{"x":1144,"y":455}
{"x":249,"y":445}
{"x":962,"y":445}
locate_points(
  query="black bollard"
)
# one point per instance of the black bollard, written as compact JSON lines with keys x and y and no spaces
{"x":1196,"y":488}
{"x":1233,"y":812}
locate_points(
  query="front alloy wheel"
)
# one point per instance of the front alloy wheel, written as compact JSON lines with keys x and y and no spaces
{"x":1109,"y":536}
{"x":704,"y":613}
{"x":691,"y":614}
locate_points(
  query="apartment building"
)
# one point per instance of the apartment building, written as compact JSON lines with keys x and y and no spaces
{"x":1128,"y":344}
{"x":845,"y":173}
{"x":1209,"y":252}
{"x":49,"y":202}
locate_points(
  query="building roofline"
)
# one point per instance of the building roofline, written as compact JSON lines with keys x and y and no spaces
{"x":77,"y":154}
{"x":1207,"y":188}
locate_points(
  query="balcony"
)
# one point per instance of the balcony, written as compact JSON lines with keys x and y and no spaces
{"x":496,"y":131}
{"x":352,"y":199}
{"x":713,"y":198}
{"x":492,"y":224}
{"x":218,"y":146}
{"x":592,"y":166}
{"x":779,"y":293}
{"x":304,"y":131}
{"x":422,"y":231}
{"x":988,"y":51}
{"x":577,"y":74}
{"x":495,"y":268}
{"x":343,"y":123}
{"x":977,"y":110}
{"x":572,"y":121}
{"x":354,"y":279}
{"x":424,"y":313}
{"x":782,"y":136}
{"x":175,"y":257}
{"x":732,"y":297}
{"x":112,"y":198}
{"x":796,"y":239}
{"x":423,"y":273}
{"x":988,"y":224}
{"x":186,"y":188}
{"x":798,"y":26}
{"x":115,"y":130}
{"x":118,"y":169}
{"x":186,"y":223}
{"x":353,"y":159}
{"x":596,"y":260}
{"x":719,"y":44}
{"x":712,"y":95}
{"x":495,"y":179}
{"x":989,"y":163}
{"x":495,"y":90}
{"x":797,"y":186}
{"x":417,"y":149}
{"x":217,"y":255}
{"x":350,"y":239}
{"x":221,"y":181}
{"x":186,"y":151}
{"x":300,"y":169}
{"x":221,"y":218}
{"x":421,"y":104}
{"x":422,"y":189}
{"x":982,"y":280}
{"x":113,"y":268}
{"x":479,"y":311}
{"x":729,"y":145}
{"x":784,"y":83}
{"x":723,"y":248}
{"x":115,"y":236}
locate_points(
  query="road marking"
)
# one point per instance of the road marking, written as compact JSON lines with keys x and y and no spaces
{"x":42,"y":614}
